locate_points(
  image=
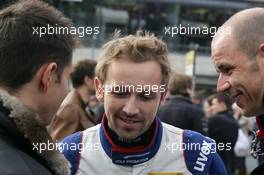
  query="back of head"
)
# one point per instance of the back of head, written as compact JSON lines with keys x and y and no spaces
{"x":210,"y":98}
{"x":81,"y":69}
{"x":136,"y":48}
{"x":23,"y":50}
{"x":247,"y":28}
{"x":221,"y":97}
{"x":180,"y":84}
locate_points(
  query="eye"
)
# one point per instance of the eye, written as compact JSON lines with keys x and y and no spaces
{"x":227,"y":71}
{"x":119,"y":94}
{"x":147,"y":96}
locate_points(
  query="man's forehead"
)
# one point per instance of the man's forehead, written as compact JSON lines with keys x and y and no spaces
{"x":128,"y":71}
{"x":222,"y":41}
{"x":222,"y":53}
{"x":218,"y":47}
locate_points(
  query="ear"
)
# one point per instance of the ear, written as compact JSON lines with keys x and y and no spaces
{"x":261,"y":50}
{"x":87,"y":80}
{"x":190,"y":92}
{"x":48,"y":76}
{"x":99,"y":89}
{"x":163,"y":96}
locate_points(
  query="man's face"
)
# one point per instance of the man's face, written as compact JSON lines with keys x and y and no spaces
{"x":57,"y":92}
{"x":207,"y":109}
{"x":88,"y":82}
{"x":217,"y":106}
{"x":239,"y":75}
{"x":131,"y":112}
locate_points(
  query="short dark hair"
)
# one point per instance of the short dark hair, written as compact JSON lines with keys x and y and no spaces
{"x":223,"y":97}
{"x":22,"y":52}
{"x":210,"y":98}
{"x":81,"y":69}
{"x":179,"y":83}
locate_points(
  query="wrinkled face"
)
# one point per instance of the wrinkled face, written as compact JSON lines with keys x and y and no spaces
{"x":239,"y":75}
{"x":130,"y":112}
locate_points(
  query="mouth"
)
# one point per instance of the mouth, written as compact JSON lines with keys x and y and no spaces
{"x":237,"y":98}
{"x":129,"y":123}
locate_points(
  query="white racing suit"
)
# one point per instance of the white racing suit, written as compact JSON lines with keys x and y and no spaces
{"x":171,"y":150}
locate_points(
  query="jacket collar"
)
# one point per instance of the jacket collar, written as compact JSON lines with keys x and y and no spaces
{"x":28,"y":127}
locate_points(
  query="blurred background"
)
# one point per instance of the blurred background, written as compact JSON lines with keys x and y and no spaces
{"x":155,"y":16}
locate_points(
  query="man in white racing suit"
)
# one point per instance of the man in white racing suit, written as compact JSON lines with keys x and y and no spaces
{"x":131,"y":80}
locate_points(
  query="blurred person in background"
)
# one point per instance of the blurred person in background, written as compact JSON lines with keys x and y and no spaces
{"x":178,"y":109}
{"x":74,"y":113}
{"x":223,"y":128}
{"x":207,"y":103}
{"x":197,"y":100}
{"x":93,"y":103}
{"x":246,"y":128}
{"x":207,"y":106}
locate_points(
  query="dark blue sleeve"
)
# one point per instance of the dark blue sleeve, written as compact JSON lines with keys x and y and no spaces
{"x":71,"y":148}
{"x":218,"y":166}
{"x":200,"y":155}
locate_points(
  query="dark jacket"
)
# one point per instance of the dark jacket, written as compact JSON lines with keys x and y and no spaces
{"x":180,"y":112}
{"x":223,"y":128}
{"x":20,"y":139}
{"x":259,"y":170}
{"x":71,"y":117}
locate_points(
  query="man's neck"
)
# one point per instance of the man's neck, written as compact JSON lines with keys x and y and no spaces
{"x":143,"y":140}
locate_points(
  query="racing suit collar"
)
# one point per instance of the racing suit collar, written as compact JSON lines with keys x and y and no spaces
{"x":130,"y":155}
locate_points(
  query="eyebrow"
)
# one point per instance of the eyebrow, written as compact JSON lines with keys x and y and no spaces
{"x":223,"y":66}
{"x":148,"y":92}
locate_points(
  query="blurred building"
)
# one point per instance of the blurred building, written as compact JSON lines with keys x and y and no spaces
{"x":160,"y":15}
{"x":157,"y":16}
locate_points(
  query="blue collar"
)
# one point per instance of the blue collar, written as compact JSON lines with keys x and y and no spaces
{"x":132,"y":155}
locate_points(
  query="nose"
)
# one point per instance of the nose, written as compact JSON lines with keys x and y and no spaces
{"x":222,"y":83}
{"x":131,"y":107}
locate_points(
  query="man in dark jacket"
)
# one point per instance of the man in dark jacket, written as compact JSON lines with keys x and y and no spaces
{"x":223,"y":128}
{"x":34,"y":70}
{"x":178,"y":109}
